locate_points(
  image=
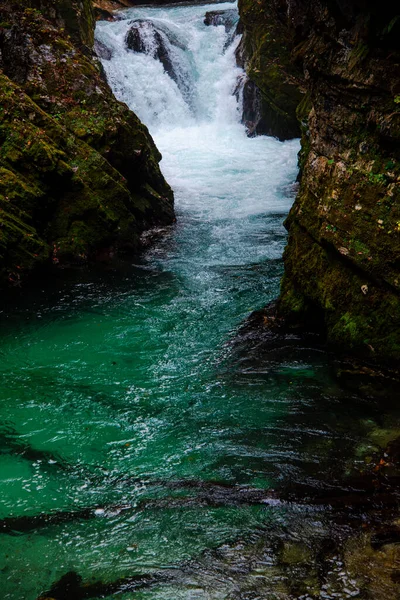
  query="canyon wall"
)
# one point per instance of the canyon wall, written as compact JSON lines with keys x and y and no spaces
{"x":79,"y":173}
{"x":342,"y":261}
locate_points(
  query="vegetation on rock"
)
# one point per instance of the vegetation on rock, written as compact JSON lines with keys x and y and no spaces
{"x":79,"y":173}
{"x":342,"y":262}
{"x":273,"y":91}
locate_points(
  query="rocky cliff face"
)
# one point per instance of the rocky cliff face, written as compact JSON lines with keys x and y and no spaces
{"x":274,"y":90}
{"x":342,"y":262}
{"x":79,"y":173}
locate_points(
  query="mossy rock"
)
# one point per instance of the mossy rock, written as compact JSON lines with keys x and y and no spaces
{"x":266,"y":55}
{"x":79,"y":171}
{"x":342,"y":263}
{"x":321,"y":285}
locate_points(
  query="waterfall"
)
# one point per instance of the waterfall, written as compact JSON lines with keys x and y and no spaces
{"x":181,"y":78}
{"x":171,"y":68}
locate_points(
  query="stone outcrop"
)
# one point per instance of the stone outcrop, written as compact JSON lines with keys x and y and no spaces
{"x":227,"y":18}
{"x":273,"y":89}
{"x":342,"y":262}
{"x":143,"y":36}
{"x":79,"y":173}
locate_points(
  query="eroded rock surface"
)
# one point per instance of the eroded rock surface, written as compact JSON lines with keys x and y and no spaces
{"x":273,"y":90}
{"x":227,"y":18}
{"x":343,"y":256}
{"x":144,"y":37}
{"x":79,"y":171}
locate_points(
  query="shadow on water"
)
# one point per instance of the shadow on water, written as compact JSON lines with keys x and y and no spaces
{"x":12,"y":444}
{"x":333,"y":508}
{"x":89,"y":290}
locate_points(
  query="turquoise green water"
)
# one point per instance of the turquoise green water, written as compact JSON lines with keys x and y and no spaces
{"x":123,"y":381}
{"x":119,"y":387}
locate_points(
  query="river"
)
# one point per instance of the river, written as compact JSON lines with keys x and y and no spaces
{"x":139,"y":452}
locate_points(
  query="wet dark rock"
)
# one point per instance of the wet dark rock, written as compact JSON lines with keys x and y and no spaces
{"x":157,"y":47}
{"x":260,"y":118}
{"x":252,"y":117}
{"x":79,"y":172}
{"x":266,"y":339}
{"x":102,"y":50}
{"x":145,"y":37}
{"x":104,"y":15}
{"x":273,"y":89}
{"x":134,"y":39}
{"x":227,"y":18}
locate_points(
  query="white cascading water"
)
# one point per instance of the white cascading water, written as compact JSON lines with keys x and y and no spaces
{"x":207,"y":156}
{"x":199,"y":57}
{"x":232,"y":192}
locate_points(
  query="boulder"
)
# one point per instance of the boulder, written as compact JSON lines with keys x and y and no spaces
{"x":227,"y":18}
{"x":102,"y":51}
{"x":144,"y":37}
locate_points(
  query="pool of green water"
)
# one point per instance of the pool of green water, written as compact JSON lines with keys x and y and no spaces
{"x":119,"y":388}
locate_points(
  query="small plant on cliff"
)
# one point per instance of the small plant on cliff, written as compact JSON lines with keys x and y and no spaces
{"x":377,"y":178}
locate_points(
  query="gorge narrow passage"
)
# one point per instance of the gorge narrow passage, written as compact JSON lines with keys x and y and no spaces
{"x":123,"y":411}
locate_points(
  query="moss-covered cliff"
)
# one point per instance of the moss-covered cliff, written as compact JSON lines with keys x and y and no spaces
{"x":273,"y":92}
{"x":342,"y":262}
{"x":79,"y":173}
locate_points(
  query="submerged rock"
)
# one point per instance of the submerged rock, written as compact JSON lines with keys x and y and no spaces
{"x":72,"y":587}
{"x":11,"y":444}
{"x":102,"y":50}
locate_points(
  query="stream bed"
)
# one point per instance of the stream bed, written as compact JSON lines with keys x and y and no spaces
{"x":142,"y":454}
